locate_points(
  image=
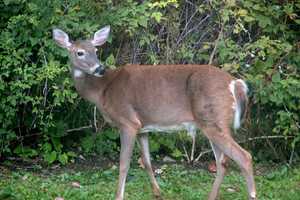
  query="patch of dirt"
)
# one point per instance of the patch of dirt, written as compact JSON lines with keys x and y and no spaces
{"x":39,"y":167}
{"x":89,"y":163}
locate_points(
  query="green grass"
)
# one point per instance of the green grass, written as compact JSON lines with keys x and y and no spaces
{"x":176,"y":183}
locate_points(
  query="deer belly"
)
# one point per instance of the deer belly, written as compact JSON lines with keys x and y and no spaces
{"x":190,"y":127}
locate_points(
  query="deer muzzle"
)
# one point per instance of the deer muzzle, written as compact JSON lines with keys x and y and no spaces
{"x":99,"y":70}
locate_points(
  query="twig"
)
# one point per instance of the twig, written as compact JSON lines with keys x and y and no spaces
{"x":95,"y":119}
{"x":188,"y":22}
{"x":247,"y":140}
{"x":291,"y":156}
{"x":193,"y":147}
{"x":45,"y":90}
{"x":272,"y":148}
{"x":119,"y":49}
{"x":200,"y":39}
{"x":186,"y":154}
{"x":182,"y":36}
{"x":191,"y":3}
{"x":79,"y":129}
{"x":68,"y":131}
{"x":212,"y":55}
{"x":135,"y":51}
{"x":266,"y":137}
{"x":202,"y":153}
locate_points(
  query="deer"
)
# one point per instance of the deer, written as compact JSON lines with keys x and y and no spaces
{"x":139,"y":99}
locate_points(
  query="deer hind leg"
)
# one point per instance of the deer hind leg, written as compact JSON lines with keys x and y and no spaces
{"x":221,"y":169}
{"x":222,"y":139}
{"x":144,"y":143}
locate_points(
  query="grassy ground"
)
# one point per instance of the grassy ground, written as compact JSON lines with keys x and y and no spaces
{"x":176,"y":181}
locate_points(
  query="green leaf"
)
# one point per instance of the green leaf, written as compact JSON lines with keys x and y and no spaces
{"x":242,"y":12}
{"x":157,"y":16}
{"x":46,"y":147}
{"x":25,"y":151}
{"x":143,"y":21}
{"x":63,"y":158}
{"x":176,"y":153}
{"x":297,"y":21}
{"x":110,"y":61}
{"x":56,"y":144}
{"x":276,"y":78}
{"x":50,"y":157}
{"x":71,"y":154}
{"x":263,"y":21}
{"x":7,"y":193}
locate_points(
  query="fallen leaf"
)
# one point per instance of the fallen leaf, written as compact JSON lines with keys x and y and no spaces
{"x":230,"y":189}
{"x":212,"y":168}
{"x":168,"y":159}
{"x":158,"y":171}
{"x":114,"y":167}
{"x":81,"y":157}
{"x":76,"y":184}
{"x":25,"y":177}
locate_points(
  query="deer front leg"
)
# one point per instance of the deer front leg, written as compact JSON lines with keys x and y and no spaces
{"x":127,"y":136}
{"x":144,"y":143}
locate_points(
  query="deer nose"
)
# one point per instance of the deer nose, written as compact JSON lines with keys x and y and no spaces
{"x":100,"y":70}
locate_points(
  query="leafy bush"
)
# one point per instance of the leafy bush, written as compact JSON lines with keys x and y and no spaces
{"x":37,"y":97}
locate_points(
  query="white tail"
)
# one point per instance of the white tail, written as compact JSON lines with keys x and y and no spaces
{"x":142,"y":98}
{"x":239,"y":90}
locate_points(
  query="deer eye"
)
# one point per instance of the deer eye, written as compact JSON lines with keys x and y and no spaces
{"x":79,"y":53}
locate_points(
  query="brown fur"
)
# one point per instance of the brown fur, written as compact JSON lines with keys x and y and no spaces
{"x":129,"y":87}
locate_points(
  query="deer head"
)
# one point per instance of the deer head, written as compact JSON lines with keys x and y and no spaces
{"x":82,"y":53}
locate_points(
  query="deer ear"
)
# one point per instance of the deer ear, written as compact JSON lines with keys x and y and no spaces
{"x":101,"y":36}
{"x":61,"y":38}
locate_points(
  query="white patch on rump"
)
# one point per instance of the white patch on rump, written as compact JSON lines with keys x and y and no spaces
{"x":235,"y":105}
{"x":245,"y":87}
{"x":231,"y":88}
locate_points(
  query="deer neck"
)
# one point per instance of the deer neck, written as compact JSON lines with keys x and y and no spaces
{"x":91,"y":87}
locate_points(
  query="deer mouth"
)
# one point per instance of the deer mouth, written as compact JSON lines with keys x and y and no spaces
{"x":99,"y":71}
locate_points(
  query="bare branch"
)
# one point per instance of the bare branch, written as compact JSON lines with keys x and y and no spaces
{"x":267,"y":137}
{"x":95,"y":119}
{"x":291,"y":156}
{"x":216,"y":45}
{"x":45,"y":90}
{"x":202,"y":153}
{"x":247,"y":140}
{"x":79,"y":128}
{"x":193,"y":147}
{"x":183,"y":36}
{"x":186,"y":154}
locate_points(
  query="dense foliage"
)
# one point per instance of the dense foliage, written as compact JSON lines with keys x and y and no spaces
{"x":40,"y":110}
